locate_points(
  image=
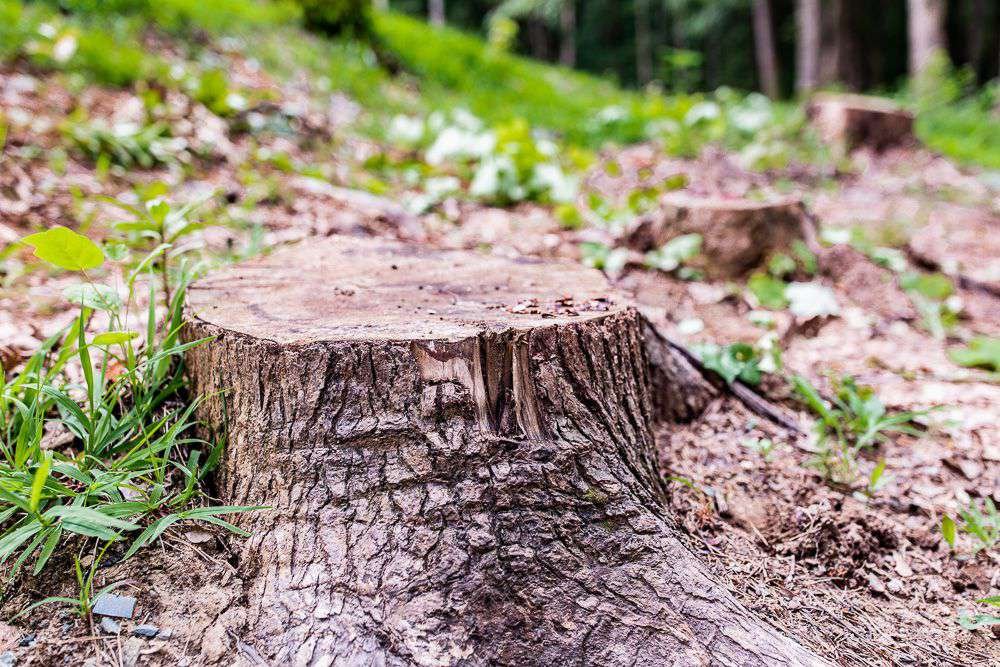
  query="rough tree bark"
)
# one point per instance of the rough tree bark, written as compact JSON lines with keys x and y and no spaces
{"x":458,"y":451}
{"x":737,"y":234}
{"x":764,"y":50}
{"x":808,"y":23}
{"x":925,"y":23}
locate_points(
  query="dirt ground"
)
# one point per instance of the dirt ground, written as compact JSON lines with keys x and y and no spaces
{"x":861,"y":580}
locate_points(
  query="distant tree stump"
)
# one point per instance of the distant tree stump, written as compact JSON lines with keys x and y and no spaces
{"x":458,"y":451}
{"x":737,"y":234}
{"x":850,"y":121}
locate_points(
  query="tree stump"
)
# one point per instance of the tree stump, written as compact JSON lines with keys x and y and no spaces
{"x":849,"y":121}
{"x":737,"y":234}
{"x":458,"y":452}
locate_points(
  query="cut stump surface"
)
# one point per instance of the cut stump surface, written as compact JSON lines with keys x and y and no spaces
{"x":459,"y":456}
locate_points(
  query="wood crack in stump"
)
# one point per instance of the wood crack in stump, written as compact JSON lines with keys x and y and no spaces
{"x":453,"y":483}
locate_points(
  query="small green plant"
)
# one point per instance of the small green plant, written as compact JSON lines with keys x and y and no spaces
{"x":930,"y":294}
{"x":86,"y":596}
{"x":126,"y":451}
{"x":156,"y":227}
{"x":674,"y":253}
{"x":768,"y":290}
{"x":877,"y":478}
{"x":983,"y":619}
{"x":736,"y":361}
{"x":126,"y":145}
{"x":982,"y":524}
{"x":981,"y":352}
{"x":599,"y":256}
{"x":854,"y":420}
{"x":766,"y":447}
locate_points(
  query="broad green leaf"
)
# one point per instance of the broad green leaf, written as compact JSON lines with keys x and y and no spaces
{"x":91,"y":295}
{"x":769,"y":291}
{"x":114,"y":337}
{"x":982,"y":352}
{"x":66,"y":249}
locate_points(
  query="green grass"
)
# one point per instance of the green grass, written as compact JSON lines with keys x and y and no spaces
{"x":964,"y":131}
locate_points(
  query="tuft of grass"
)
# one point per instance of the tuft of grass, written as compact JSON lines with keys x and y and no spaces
{"x":855,"y":420}
{"x":96,"y":434}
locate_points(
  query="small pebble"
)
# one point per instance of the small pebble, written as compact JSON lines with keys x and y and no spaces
{"x":146,"y":631}
{"x":7,"y":659}
{"x":27,"y":640}
{"x":110,"y":626}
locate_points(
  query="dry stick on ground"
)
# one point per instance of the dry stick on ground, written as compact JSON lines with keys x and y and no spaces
{"x":459,"y":452}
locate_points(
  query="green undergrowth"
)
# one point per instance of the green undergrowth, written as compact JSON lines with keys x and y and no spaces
{"x":98,"y":443}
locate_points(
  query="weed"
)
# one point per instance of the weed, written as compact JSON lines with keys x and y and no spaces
{"x":854,"y":420}
{"x":125,"y":144}
{"x":981,"y":620}
{"x":763,"y":446}
{"x":86,"y":596}
{"x":982,"y":524}
{"x":981,"y":352}
{"x":125,"y":452}
{"x":737,"y":361}
{"x":672,"y":255}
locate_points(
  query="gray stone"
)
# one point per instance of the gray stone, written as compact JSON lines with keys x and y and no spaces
{"x":118,"y":606}
{"x":110,"y":626}
{"x":146,"y":631}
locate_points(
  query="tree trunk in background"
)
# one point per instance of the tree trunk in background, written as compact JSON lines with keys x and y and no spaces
{"x":925,"y":21}
{"x":841,"y":51}
{"x":763,"y":39}
{"x":538,"y":40}
{"x":435,"y":12}
{"x":567,"y":26}
{"x":808,"y":22}
{"x":643,"y":43}
{"x":976,"y":34}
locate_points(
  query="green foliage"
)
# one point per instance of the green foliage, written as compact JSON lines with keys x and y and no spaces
{"x":929,"y":293}
{"x":981,"y":620}
{"x":125,"y":451}
{"x":737,"y":361}
{"x":768,"y":290}
{"x":65,"y":248}
{"x":983,"y":524}
{"x":674,"y":253}
{"x":125,"y":144}
{"x":855,"y":420}
{"x":336,"y":17}
{"x":599,"y":256}
{"x":981,"y":352}
{"x":86,"y":596}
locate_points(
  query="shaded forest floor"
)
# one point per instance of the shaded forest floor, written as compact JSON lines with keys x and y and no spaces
{"x":862,"y":579}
